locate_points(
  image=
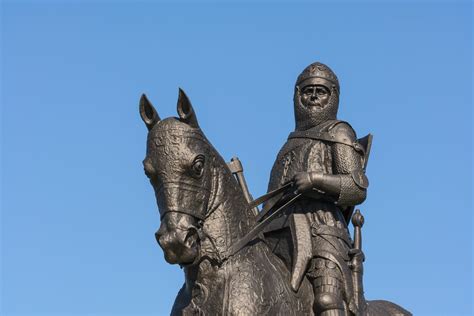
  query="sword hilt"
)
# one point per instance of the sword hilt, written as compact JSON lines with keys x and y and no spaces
{"x":358,"y":222}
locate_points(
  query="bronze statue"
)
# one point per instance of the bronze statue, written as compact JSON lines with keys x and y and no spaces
{"x":296,"y":256}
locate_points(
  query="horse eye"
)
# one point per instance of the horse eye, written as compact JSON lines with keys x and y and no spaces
{"x":198,"y":165}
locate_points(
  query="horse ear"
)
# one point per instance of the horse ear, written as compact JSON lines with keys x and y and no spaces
{"x":148,"y":112}
{"x":185,"y":110}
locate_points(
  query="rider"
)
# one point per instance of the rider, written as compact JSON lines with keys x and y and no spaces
{"x":324,"y":160}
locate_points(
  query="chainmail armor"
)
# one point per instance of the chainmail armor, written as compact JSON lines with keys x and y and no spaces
{"x":350,"y":192}
{"x":305,"y":118}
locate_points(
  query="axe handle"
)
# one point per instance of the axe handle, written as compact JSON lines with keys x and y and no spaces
{"x":237,"y":169}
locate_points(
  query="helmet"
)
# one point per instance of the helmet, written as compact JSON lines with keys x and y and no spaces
{"x":318,"y":73}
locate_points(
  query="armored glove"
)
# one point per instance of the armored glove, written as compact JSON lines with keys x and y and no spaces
{"x":324,"y":184}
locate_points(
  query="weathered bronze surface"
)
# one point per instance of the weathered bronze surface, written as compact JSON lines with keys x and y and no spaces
{"x":295,"y":256}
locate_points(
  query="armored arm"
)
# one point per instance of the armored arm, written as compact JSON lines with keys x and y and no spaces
{"x":348,"y":184}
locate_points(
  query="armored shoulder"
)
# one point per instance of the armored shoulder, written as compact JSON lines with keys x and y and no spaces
{"x":343,"y":130}
{"x":343,"y":133}
{"x":348,"y":159}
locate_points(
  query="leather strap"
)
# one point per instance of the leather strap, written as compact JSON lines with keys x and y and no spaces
{"x":325,"y":230}
{"x":325,"y":136}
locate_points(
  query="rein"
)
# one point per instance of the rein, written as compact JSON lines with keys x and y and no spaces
{"x":274,"y":208}
{"x":277,"y":200}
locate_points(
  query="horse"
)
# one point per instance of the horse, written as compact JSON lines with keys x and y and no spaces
{"x":203,"y":213}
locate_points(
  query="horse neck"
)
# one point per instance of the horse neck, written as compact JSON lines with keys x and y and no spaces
{"x":229,"y":215}
{"x":228,"y":220}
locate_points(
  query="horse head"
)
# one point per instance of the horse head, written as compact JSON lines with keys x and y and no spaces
{"x":181,"y":165}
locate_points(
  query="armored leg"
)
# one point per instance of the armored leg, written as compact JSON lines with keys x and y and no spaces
{"x":328,"y":299}
{"x":328,"y":289}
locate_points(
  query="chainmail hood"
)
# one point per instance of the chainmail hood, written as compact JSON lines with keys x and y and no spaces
{"x":316,"y":74}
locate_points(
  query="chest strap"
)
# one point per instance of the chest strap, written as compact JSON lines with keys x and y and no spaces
{"x":326,"y":230}
{"x":327,"y":137}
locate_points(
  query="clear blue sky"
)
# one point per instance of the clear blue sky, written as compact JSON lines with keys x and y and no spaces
{"x":78,"y":215}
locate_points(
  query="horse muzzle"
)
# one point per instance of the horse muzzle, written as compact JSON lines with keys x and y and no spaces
{"x":179,"y":244}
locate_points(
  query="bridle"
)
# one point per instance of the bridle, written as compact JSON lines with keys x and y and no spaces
{"x":185,"y":187}
{"x":277,"y":201}
{"x":200,"y":219}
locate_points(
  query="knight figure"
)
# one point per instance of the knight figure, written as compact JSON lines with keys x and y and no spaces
{"x":325,"y":161}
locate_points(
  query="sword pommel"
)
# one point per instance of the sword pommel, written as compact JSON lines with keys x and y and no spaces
{"x":358,"y":222}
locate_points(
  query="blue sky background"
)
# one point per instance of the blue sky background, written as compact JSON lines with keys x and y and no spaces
{"x":78,"y":215}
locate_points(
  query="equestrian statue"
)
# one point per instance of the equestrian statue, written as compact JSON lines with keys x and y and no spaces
{"x":295,"y":256}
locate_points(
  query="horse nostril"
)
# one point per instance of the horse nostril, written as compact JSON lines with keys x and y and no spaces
{"x":158,"y":235}
{"x":191,"y":238}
